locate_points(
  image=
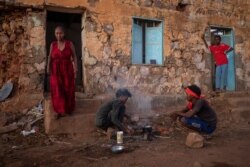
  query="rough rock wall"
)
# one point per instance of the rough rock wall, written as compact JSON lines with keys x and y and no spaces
{"x":107,"y":43}
{"x":22,"y":41}
{"x":186,"y":60}
{"x":111,"y":58}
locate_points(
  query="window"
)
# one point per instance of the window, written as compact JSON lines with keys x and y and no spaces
{"x":147,"y":42}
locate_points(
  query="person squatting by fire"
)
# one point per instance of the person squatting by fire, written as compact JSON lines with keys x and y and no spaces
{"x":197,"y":115}
{"x":112,"y":113}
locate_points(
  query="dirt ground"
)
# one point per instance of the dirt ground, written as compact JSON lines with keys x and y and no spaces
{"x":226,"y":148}
{"x":229,"y":146}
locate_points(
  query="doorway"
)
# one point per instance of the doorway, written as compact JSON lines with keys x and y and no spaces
{"x":72,"y":24}
{"x":227,"y":37}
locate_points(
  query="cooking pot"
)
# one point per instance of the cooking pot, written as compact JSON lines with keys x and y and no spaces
{"x":147,"y":133}
{"x":147,"y":129}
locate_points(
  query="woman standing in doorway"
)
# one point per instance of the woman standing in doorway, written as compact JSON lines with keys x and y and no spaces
{"x":62,"y":67}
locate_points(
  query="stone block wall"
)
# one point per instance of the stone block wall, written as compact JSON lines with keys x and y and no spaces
{"x":22,"y":41}
{"x":107,"y":43}
{"x":186,"y":59}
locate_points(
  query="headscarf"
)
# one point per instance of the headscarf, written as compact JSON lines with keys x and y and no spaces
{"x":193,"y":91}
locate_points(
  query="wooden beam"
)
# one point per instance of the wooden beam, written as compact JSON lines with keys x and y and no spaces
{"x":65,"y":10}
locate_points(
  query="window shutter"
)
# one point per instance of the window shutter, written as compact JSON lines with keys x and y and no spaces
{"x":154,"y":44}
{"x":137,"y":44}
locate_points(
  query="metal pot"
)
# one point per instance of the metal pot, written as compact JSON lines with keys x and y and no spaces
{"x":147,"y":132}
{"x":147,"y":129}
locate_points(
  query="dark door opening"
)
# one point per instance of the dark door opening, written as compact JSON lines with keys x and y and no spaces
{"x":72,"y":24}
{"x":227,"y":37}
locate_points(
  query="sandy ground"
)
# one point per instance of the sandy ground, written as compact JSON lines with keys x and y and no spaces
{"x":226,"y":148}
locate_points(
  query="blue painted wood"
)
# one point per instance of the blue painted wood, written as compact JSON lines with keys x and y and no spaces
{"x":154,"y":44}
{"x":137,"y":44}
{"x":146,"y":18}
{"x":228,"y":39}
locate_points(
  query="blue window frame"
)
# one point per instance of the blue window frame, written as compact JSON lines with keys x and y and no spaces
{"x":147,"y":41}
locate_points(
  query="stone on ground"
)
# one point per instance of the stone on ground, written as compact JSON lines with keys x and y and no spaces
{"x":194,"y":140}
{"x":197,"y":164}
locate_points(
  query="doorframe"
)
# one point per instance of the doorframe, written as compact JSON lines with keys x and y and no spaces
{"x":233,"y":38}
{"x":65,"y":9}
{"x":82,"y":11}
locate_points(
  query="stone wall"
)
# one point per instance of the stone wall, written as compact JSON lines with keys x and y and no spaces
{"x":107,"y":43}
{"x":22,"y":37}
{"x":186,"y":59}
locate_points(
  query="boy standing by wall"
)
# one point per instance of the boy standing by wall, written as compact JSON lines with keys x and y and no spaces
{"x":219,"y":51}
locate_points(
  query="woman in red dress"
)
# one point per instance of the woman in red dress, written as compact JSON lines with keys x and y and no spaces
{"x":62,"y":66}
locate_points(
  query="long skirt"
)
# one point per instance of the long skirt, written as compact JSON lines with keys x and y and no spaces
{"x":62,"y":86}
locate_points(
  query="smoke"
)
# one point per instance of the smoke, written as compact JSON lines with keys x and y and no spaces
{"x":140,"y":104}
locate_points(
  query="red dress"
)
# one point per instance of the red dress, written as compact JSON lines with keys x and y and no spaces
{"x":62,"y":80}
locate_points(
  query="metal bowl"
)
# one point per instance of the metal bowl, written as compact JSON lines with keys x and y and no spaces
{"x":117,"y":148}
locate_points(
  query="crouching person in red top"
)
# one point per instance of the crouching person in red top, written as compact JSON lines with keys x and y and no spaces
{"x":197,"y":115}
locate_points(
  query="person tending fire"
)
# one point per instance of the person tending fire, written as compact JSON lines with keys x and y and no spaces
{"x":197,"y":115}
{"x":112,"y":113}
